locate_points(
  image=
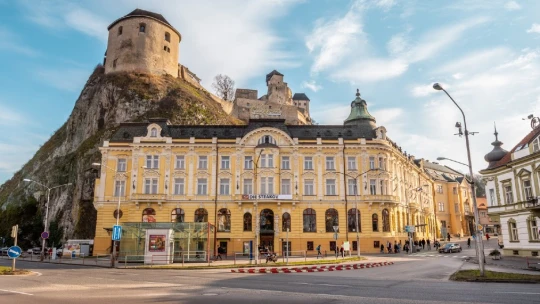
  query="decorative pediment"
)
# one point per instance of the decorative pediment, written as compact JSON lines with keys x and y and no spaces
{"x":120,"y":176}
{"x":309,"y":174}
{"x":151,"y":173}
{"x":179,"y":173}
{"x":224,"y":173}
{"x":523,"y":172}
{"x":282,"y":138}
{"x":153,"y":131}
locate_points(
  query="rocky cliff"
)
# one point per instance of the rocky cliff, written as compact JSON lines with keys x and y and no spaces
{"x":105,"y":102}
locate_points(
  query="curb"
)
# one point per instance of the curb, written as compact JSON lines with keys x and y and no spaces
{"x":323,"y":268}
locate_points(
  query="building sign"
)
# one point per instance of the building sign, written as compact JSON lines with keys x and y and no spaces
{"x":267,"y":196}
{"x":156,"y":243}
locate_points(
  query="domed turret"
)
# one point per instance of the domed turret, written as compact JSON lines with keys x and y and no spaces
{"x":497,"y":153}
{"x":359,"y":114}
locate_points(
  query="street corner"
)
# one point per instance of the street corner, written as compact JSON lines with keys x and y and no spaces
{"x":305,"y":269}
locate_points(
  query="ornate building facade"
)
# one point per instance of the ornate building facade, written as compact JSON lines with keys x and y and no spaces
{"x":267,"y":182}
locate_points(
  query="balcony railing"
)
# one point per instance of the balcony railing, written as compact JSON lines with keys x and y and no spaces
{"x":532,"y":202}
{"x":149,"y":197}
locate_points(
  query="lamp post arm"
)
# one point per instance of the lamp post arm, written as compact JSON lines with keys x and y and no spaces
{"x":457,"y":162}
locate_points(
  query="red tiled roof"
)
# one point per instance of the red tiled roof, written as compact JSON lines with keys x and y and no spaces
{"x":481,"y":202}
{"x":526,"y":140}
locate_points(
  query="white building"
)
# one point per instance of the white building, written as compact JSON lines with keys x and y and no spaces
{"x":513,"y":191}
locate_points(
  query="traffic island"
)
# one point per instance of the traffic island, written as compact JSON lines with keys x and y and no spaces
{"x":7,"y":271}
{"x":472,"y":275}
{"x":323,"y":268}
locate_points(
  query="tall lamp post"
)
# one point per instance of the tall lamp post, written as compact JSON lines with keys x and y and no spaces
{"x":115,"y":242}
{"x":478,"y":240}
{"x":42,"y":256}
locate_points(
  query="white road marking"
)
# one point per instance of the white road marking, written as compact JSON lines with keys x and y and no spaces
{"x":333,"y":285}
{"x":517,"y":292}
{"x":19,"y":292}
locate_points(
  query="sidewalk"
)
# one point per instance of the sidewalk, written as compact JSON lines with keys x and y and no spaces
{"x":510,"y":262}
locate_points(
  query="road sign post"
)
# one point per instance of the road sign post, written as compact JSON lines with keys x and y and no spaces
{"x":117,"y":233}
{"x":12,"y":251}
{"x":44,"y":235}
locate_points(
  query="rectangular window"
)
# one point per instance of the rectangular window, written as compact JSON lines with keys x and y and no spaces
{"x":454,"y":190}
{"x":225,"y":162}
{"x":152,"y":161}
{"x":267,"y":161}
{"x":330,"y":187}
{"x":203,"y":162}
{"x":351,"y":187}
{"x":534,"y":230}
{"x":285,"y":186}
{"x":248,"y":162}
{"x":180,"y":162}
{"x":483,"y":214}
{"x":513,"y":232}
{"x":120,"y":188}
{"x":224,"y":186}
{"x":330,"y":163}
{"x":150,"y":185}
{"x":381,"y":163}
{"x":372,"y":162}
{"x":528,"y":189}
{"x":285,"y":165}
{"x":202,"y":186}
{"x":267,"y":185}
{"x":508,"y":196}
{"x":308,"y":187}
{"x":310,"y":246}
{"x":308,"y":163}
{"x":439,"y":189}
{"x":248,"y":186}
{"x":492,"y":197}
{"x":373,"y":186}
{"x":351,"y":163}
{"x":179,"y":186}
{"x":535,"y":145}
{"x":441,"y":206}
{"x":456,"y":207}
{"x":121,"y":165}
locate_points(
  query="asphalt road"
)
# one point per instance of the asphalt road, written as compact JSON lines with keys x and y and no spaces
{"x":419,"y":279}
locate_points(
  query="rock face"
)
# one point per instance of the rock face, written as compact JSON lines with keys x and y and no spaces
{"x":105,"y":102}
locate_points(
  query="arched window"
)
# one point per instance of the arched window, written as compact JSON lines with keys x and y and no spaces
{"x":331,"y":219}
{"x":267,"y":139}
{"x":201,"y":215}
{"x":385,"y":221}
{"x":351,"y":220}
{"x":142,"y":27}
{"x":167,"y":37}
{"x":149,"y":215}
{"x":153,"y":132}
{"x":286,"y":222}
{"x":247,"y":221}
{"x":310,"y":220}
{"x":120,"y":28}
{"x":267,"y":220}
{"x":177,"y":215}
{"x":375,"y":222}
{"x":224,"y":220}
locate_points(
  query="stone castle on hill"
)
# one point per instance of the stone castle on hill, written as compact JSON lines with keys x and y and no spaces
{"x":146,"y":42}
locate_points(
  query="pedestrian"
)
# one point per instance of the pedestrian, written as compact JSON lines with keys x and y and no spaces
{"x":423,"y":244}
{"x":428,"y":244}
{"x":487,"y":237}
{"x":342,"y":251}
{"x":319,"y":251}
{"x":382,"y":248}
{"x":396,"y":247}
{"x":448,"y":236}
{"x":406,"y":248}
{"x":219,"y":250}
{"x":469,"y":243}
{"x":336,"y":251}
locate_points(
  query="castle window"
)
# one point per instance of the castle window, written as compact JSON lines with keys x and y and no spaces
{"x":120,"y":30}
{"x":167,"y":37}
{"x":164,"y":47}
{"x":142,"y":27}
{"x":168,"y":50}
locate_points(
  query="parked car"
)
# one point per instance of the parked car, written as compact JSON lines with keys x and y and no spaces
{"x":450,"y":248}
{"x":35,"y":251}
{"x":4,"y":251}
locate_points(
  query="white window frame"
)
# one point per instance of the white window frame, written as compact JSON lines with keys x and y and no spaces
{"x":248,"y":162}
{"x":179,"y":185}
{"x":248,"y":186}
{"x":371,"y":162}
{"x":308,"y":163}
{"x":121,"y":165}
{"x":286,"y":186}
{"x":527,"y":190}
{"x":203,"y":162}
{"x":267,"y":185}
{"x":285,"y":163}
{"x":152,"y":161}
{"x":309,"y":187}
{"x":224,"y":186}
{"x":202,"y":186}
{"x":331,"y":186}
{"x":492,"y":197}
{"x":351,"y":163}
{"x":508,"y":194}
{"x":533,"y":229}
{"x":441,"y":207}
{"x":330,"y":163}
{"x":225,"y":162}
{"x":180,"y":162}
{"x":351,"y":187}
{"x":514,"y":233}
{"x":120,"y":188}
{"x":381,"y":163}
{"x":150,"y":185}
{"x":536,"y":145}
{"x":373,"y":187}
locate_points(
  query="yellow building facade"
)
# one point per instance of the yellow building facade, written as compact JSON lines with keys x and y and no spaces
{"x":267,"y":182}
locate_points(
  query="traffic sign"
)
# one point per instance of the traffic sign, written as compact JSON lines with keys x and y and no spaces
{"x":44,"y":235}
{"x":336,"y":236}
{"x":480,"y":227}
{"x":410,"y":228}
{"x":117,"y":233}
{"x":14,"y":252}
{"x":335,"y":228}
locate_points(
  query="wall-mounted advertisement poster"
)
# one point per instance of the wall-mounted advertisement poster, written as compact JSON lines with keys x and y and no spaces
{"x":156,"y":243}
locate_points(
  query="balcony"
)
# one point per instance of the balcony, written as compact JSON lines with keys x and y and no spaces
{"x":148,"y":197}
{"x":377,"y":198}
{"x":533,"y":204}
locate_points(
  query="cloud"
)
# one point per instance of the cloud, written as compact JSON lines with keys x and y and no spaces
{"x":67,"y":79}
{"x":397,"y":44}
{"x":334,"y":115}
{"x":423,"y":90}
{"x":512,"y":6}
{"x":535,"y":28}
{"x":373,"y":69}
{"x":9,"y":116}
{"x":475,"y":61}
{"x":87,"y":22}
{"x":385,"y":4}
{"x":312,"y":85}
{"x":11,"y":42}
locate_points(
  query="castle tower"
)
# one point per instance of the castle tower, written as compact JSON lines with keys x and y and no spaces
{"x":142,"y":41}
{"x":302,"y":102}
{"x":278,"y":91}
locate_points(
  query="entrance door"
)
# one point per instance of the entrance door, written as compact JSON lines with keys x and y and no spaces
{"x":223,"y":246}
{"x":286,"y":248}
{"x":267,"y":241}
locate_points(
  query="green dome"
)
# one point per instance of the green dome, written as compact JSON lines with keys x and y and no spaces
{"x":359,"y":113}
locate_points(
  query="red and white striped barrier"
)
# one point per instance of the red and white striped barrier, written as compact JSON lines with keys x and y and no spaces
{"x":322,"y":268}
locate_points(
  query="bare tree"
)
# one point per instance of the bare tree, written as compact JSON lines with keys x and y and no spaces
{"x":224,"y":87}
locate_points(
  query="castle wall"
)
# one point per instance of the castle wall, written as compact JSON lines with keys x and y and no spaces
{"x":146,"y":52}
{"x":245,"y":109}
{"x":246,"y":93}
{"x":278,"y":91}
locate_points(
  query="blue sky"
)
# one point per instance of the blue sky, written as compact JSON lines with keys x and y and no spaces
{"x":485,"y":53}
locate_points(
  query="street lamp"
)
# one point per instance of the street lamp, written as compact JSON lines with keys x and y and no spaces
{"x":444,"y":158}
{"x":46,"y":211}
{"x":478,"y":239}
{"x":115,"y":242}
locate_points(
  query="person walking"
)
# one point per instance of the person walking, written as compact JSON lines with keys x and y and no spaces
{"x":382,"y":248}
{"x":487,"y":237}
{"x":423,"y":244}
{"x":469,"y":243}
{"x":336,"y":251}
{"x":342,"y":251}
{"x":219,"y":251}
{"x":448,"y":236}
{"x":319,"y":251}
{"x":428,"y":244}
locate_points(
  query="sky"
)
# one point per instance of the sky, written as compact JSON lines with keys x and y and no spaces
{"x":486,"y":54}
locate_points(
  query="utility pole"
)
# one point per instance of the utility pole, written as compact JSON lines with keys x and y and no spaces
{"x":14,"y":234}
